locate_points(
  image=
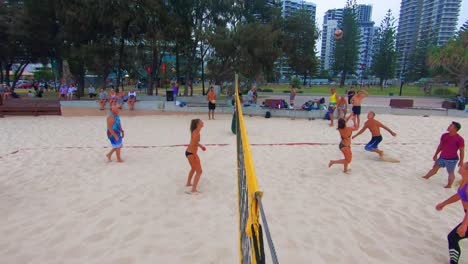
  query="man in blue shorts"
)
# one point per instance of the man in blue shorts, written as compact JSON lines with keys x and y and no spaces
{"x":374,"y":127}
{"x":450,"y":143}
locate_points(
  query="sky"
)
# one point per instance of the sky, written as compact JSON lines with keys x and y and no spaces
{"x":379,"y":9}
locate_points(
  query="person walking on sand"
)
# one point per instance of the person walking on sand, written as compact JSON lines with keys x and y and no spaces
{"x":292,"y":95}
{"x":115,"y":133}
{"x":450,"y":143}
{"x":460,"y":231}
{"x":345,"y":145}
{"x":192,"y":156}
{"x":332,"y":105}
{"x":356,"y":101}
{"x":374,"y":127}
{"x":211,"y":97}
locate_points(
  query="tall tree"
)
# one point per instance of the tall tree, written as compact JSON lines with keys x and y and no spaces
{"x":246,"y":40}
{"x":299,"y":37}
{"x":347,"y":49}
{"x":384,"y":60}
{"x":416,"y":64}
{"x":453,"y":58}
{"x":23,"y":39}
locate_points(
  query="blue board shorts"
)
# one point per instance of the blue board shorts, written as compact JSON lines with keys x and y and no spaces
{"x":450,"y":164}
{"x":115,"y":143}
{"x":374,"y":143}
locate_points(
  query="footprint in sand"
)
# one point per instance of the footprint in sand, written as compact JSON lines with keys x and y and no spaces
{"x":97,"y":237}
{"x":123,"y":260}
{"x":105,"y":223}
{"x":132,"y":235}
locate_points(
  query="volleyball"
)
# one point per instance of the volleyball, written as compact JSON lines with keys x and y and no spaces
{"x":338,"y":34}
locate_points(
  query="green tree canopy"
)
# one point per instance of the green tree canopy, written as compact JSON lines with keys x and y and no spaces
{"x":299,"y":37}
{"x":453,"y":58}
{"x":384,"y":59}
{"x":346,"y":54}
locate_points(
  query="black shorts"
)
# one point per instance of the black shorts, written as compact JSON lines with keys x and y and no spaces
{"x":357,"y":110}
{"x":211,"y":106}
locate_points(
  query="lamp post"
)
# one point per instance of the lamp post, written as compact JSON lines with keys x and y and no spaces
{"x":402,"y":74}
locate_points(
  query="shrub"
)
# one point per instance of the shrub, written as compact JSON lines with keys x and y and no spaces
{"x":266,"y":90}
{"x":296,"y":82}
{"x":444,"y":92}
{"x":297,"y":91}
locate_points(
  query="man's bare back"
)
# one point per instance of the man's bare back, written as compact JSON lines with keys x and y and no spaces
{"x":373,"y":126}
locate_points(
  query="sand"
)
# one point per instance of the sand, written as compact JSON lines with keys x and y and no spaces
{"x":62,"y":202}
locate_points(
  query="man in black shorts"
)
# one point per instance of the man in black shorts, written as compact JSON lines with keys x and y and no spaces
{"x":356,"y":101}
{"x":211,"y":96}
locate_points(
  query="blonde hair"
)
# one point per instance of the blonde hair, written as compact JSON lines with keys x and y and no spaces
{"x":194,"y":124}
{"x":465,"y":166}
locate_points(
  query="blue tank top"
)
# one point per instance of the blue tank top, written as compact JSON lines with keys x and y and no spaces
{"x":462,"y":193}
{"x":116,"y":126}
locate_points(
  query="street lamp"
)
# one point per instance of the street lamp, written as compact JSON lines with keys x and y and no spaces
{"x":402,"y":73}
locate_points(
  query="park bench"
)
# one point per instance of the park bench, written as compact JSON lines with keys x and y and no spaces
{"x":30,"y":107}
{"x":401,"y":103}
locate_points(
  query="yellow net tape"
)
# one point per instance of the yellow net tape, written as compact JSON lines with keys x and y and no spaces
{"x":251,"y":187}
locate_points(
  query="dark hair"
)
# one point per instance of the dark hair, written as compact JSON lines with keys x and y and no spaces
{"x":193,"y":124}
{"x":341,"y":123}
{"x":457,"y":125}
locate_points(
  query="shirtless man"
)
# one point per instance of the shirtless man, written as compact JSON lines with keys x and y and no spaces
{"x":342,"y":107}
{"x":356,"y":102}
{"x":374,"y":127}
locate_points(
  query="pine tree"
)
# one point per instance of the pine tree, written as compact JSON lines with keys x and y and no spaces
{"x":347,"y":49}
{"x":384,"y":54}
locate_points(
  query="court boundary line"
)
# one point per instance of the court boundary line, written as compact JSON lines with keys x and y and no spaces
{"x":210,"y":145}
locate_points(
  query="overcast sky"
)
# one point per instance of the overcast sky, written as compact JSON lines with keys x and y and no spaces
{"x":379,"y":9}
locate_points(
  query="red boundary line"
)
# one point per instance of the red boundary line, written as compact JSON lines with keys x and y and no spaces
{"x":212,"y":145}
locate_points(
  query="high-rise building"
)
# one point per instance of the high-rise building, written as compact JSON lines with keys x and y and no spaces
{"x":332,"y":21}
{"x":288,"y":7}
{"x":434,"y":21}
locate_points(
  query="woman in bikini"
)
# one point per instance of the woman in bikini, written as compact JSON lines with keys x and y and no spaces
{"x":345,"y":145}
{"x":460,"y":231}
{"x":192,"y":156}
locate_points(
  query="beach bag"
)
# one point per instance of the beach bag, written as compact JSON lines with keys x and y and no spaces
{"x":327,"y":116}
{"x":267,"y":114}
{"x":322,"y":100}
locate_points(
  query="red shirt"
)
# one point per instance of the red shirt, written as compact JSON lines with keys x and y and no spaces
{"x":450,"y":145}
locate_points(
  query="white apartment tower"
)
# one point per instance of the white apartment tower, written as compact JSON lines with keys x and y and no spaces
{"x":287,"y":8}
{"x":332,"y":21}
{"x":431,"y":20}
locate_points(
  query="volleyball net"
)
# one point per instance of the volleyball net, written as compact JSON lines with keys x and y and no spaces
{"x":251,"y":246}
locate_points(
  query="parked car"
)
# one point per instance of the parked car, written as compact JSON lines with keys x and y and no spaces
{"x":23,"y":84}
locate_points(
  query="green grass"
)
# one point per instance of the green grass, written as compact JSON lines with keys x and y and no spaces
{"x":408,"y":90}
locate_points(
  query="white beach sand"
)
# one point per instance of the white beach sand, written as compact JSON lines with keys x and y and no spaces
{"x":62,"y":202}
